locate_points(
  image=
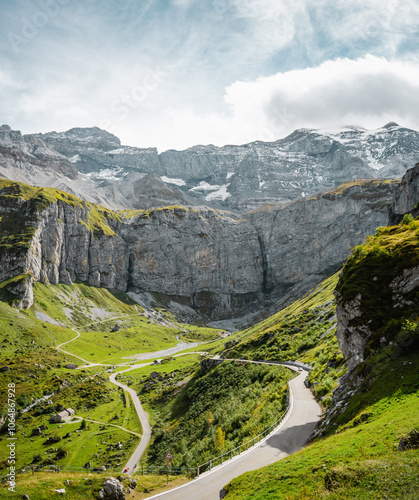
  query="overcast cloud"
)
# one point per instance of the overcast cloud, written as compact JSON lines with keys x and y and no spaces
{"x":174,"y":73}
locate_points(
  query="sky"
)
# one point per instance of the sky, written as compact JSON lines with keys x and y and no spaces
{"x":176,"y":73}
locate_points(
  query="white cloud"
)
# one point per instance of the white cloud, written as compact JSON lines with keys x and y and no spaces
{"x":93,"y":64}
{"x":368,"y":91}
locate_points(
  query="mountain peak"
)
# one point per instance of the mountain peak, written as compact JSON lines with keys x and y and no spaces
{"x":391,"y":125}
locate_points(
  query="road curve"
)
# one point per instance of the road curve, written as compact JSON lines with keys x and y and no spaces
{"x":146,"y":435}
{"x":289,"y":437}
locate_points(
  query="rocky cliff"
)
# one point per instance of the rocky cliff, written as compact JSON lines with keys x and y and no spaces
{"x":307,"y":240}
{"x":211,"y":258}
{"x":379,"y":285}
{"x":406,"y":197}
{"x":217,"y":262}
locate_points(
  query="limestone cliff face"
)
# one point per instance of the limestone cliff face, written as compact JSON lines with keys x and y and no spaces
{"x":306,"y":240}
{"x":211,"y":258}
{"x":218,"y":262}
{"x":186,"y":251}
{"x":65,"y":249}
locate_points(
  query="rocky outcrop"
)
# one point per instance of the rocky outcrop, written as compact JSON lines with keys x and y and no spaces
{"x":406,"y":196}
{"x":376,"y":300}
{"x":92,"y":149}
{"x":25,"y":153}
{"x":394,"y":273}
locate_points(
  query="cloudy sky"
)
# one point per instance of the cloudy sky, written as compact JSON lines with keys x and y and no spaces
{"x":174,"y":73}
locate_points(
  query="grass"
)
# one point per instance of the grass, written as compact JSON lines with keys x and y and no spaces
{"x":359,"y":459}
{"x":83,"y":486}
{"x":177,"y":210}
{"x":95,"y":398}
{"x":95,"y":311}
{"x":36,"y":368}
{"x":80,"y":304}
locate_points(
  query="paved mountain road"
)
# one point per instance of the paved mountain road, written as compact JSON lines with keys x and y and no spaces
{"x":146,"y":434}
{"x":289,"y":437}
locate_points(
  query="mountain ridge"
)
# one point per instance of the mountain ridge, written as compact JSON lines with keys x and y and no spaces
{"x":234,"y":177}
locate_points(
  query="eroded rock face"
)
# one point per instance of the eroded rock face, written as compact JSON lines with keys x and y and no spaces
{"x":406,"y":195}
{"x":305,"y":241}
{"x":352,"y":340}
{"x":27,"y":152}
{"x":186,"y":251}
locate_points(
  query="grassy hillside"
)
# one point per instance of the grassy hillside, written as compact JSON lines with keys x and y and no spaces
{"x":36,"y":368}
{"x":82,"y":486}
{"x":359,"y":456}
{"x":198,"y":415}
{"x":304,"y":331}
{"x":370,"y":271}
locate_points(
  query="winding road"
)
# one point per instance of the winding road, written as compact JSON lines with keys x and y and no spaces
{"x":142,"y":415}
{"x":290,"y":436}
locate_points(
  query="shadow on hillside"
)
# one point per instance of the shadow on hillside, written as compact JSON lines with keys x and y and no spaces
{"x":291,"y":439}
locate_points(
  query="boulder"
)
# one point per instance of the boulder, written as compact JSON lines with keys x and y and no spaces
{"x":112,"y":490}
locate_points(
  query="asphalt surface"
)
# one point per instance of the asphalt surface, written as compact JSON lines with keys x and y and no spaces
{"x":146,"y":435}
{"x":289,"y":437}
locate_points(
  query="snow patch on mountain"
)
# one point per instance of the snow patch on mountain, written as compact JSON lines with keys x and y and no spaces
{"x":74,"y":159}
{"x":221,"y":194}
{"x":170,"y":180}
{"x":109,"y":174}
{"x":204,"y":186}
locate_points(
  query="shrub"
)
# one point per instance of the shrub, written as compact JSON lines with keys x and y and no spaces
{"x":407,"y":218}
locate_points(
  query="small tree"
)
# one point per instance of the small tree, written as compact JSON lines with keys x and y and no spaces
{"x":83,"y":424}
{"x":220,"y":439}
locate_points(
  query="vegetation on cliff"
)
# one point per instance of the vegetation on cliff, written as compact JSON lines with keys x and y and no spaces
{"x":370,"y":275}
{"x":22,"y":204}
